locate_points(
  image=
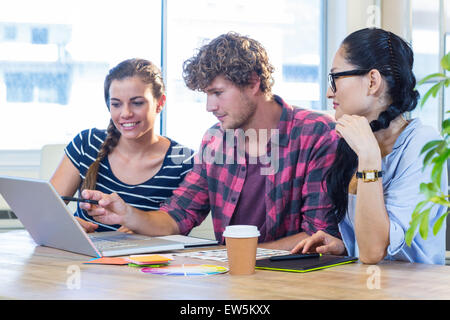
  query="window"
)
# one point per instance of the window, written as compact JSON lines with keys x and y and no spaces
{"x":9,"y":33}
{"x":425,"y":42}
{"x":288,"y":29}
{"x":39,"y":35}
{"x":447,"y":50}
{"x":37,"y":87}
{"x":54,"y":57}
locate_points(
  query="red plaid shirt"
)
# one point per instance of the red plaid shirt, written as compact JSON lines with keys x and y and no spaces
{"x":295,"y":196}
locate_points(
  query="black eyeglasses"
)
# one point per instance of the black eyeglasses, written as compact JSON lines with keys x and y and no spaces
{"x":332,"y":76}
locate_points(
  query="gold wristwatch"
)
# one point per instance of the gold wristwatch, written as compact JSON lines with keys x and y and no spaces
{"x":369,"y":175}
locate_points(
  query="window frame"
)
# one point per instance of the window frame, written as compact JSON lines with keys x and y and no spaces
{"x":323,"y":63}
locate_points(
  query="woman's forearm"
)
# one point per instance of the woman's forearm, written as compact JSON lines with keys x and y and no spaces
{"x":151,"y":223}
{"x":371,"y":222}
{"x":371,"y":218}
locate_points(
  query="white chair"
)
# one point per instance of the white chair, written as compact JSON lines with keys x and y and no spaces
{"x":51,"y":155}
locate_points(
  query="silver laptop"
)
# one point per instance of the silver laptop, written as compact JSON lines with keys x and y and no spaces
{"x":50,"y":223}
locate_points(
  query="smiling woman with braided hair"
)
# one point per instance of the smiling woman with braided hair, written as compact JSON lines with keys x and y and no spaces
{"x":375,"y":180}
{"x":128,"y":159}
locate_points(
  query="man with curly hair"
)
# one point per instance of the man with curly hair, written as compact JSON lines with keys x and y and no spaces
{"x":262,"y":164}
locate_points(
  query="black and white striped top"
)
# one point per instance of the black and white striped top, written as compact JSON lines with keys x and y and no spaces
{"x":83,"y":151}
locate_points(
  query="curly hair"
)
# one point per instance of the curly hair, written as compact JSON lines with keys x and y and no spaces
{"x":233,"y":56}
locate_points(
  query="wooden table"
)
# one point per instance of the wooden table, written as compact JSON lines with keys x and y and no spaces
{"x":28,"y":271}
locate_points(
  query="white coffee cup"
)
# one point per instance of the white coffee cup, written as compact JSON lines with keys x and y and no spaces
{"x":241,"y":242}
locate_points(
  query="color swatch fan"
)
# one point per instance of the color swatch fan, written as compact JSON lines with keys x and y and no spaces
{"x":187,"y":270}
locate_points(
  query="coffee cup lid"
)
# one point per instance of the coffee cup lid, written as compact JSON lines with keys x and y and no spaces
{"x":241,"y":231}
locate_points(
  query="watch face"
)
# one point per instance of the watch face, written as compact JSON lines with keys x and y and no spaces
{"x":370,"y":175}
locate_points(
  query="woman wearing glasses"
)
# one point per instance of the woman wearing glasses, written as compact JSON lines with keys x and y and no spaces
{"x":374,"y":181}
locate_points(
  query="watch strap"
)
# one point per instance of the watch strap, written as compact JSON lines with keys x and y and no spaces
{"x":369,"y":175}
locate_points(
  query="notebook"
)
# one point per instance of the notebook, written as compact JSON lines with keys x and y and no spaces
{"x":305,"y":265}
{"x":50,"y":223}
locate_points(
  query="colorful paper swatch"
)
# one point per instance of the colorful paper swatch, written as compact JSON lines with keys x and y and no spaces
{"x":147,"y":265}
{"x":108,"y":260}
{"x":149,"y":259}
{"x":187,"y":270}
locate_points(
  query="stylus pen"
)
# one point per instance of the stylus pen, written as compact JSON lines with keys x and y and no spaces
{"x":295,"y":256}
{"x":79,"y":200}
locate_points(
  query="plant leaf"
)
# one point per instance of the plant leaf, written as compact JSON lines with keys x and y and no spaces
{"x":446,"y":126}
{"x":418,"y":207}
{"x":432,"y":91}
{"x":416,"y":218}
{"x":431,"y":76}
{"x":428,"y":158}
{"x":430,"y":144}
{"x":409,"y":235}
{"x":440,"y":200}
{"x":436,"y":173}
{"x":445,"y":61}
{"x":423,"y":228}
{"x":438,"y":224}
{"x":438,"y":164}
{"x":428,"y":189}
{"x":436,"y":88}
{"x":447,"y":82}
{"x":434,"y":147}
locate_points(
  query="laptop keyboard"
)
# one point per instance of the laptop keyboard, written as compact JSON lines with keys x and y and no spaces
{"x":102,"y":244}
{"x":110,"y":242}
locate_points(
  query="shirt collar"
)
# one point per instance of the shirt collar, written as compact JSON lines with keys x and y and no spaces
{"x":401,"y":139}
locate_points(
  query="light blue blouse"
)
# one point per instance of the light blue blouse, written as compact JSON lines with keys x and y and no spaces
{"x":401,"y":180}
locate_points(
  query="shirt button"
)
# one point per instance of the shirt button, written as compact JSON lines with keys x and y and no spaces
{"x":243,"y":169}
{"x":233,"y":199}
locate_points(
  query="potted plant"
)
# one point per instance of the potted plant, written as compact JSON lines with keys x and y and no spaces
{"x":436,"y":154}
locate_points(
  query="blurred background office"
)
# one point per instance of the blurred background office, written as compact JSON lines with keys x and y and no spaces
{"x":55,"y":54}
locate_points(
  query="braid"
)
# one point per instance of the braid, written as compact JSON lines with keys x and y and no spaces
{"x":393,"y":65}
{"x":385,"y":118}
{"x":401,"y":88}
{"x":112,"y":138}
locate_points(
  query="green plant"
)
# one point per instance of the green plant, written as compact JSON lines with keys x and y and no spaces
{"x":436,"y":154}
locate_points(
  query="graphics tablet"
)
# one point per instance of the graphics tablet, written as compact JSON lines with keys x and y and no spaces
{"x":304,"y":265}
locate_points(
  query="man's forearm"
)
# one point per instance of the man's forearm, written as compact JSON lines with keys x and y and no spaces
{"x":286,"y":243}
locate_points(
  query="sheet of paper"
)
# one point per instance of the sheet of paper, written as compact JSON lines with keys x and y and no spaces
{"x":189,"y":241}
{"x":221,"y":254}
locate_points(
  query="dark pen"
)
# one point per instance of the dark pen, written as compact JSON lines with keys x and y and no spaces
{"x":79,"y":200}
{"x":295,"y":256}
